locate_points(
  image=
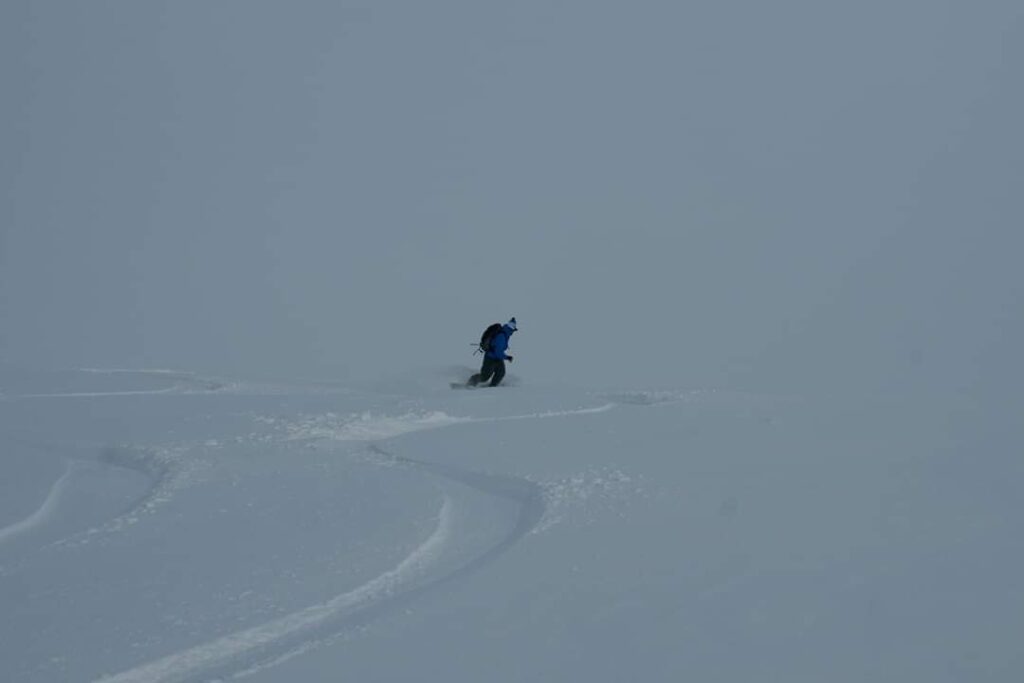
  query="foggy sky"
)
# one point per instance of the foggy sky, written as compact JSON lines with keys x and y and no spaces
{"x":774,"y":195}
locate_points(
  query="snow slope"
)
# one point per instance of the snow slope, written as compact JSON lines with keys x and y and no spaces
{"x":161,"y":526}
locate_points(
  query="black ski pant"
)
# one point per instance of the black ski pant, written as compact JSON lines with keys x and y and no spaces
{"x":492,"y":369}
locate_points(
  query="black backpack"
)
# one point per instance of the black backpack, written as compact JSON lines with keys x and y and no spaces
{"x":487,"y":338}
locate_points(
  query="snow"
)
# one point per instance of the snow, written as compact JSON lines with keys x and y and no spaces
{"x":764,"y":418}
{"x":203,"y":657}
{"x":39,"y":516}
{"x":154,"y":530}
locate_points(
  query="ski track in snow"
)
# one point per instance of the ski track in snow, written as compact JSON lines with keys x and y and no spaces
{"x":183,"y":383}
{"x":99,"y":394}
{"x":531,"y":501}
{"x":367,"y":426}
{"x":42,"y":513}
{"x":274,"y":642}
{"x":268,"y":644}
{"x":168,"y":472}
{"x":224,"y":650}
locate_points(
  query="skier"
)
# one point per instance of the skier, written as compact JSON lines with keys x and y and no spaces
{"x":494,"y":348}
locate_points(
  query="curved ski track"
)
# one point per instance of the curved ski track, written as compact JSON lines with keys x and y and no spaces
{"x":42,"y":513}
{"x":275,"y":641}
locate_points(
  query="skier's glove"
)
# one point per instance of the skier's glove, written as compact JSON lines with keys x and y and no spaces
{"x":508,"y":358}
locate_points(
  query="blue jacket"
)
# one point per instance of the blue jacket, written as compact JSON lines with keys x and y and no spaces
{"x":499,"y":344}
